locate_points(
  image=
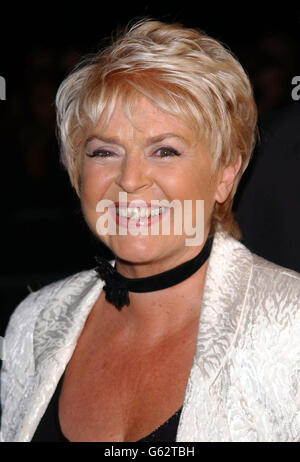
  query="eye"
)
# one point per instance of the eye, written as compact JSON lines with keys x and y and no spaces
{"x":167,"y":152}
{"x":100,"y":153}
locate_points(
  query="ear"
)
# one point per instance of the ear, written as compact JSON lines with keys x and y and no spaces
{"x":226,"y":180}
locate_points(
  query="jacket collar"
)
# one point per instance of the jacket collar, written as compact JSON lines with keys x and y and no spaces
{"x":60,"y":323}
{"x":226,"y":285}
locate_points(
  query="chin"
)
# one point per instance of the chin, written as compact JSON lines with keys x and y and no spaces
{"x":137,"y":249}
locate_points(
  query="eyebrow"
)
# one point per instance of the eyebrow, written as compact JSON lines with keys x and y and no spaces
{"x":149,"y":141}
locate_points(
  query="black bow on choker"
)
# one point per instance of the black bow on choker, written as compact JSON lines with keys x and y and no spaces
{"x":118,"y":286}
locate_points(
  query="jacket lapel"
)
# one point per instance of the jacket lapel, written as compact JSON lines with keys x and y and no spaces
{"x":56,"y":332}
{"x":227,"y":281}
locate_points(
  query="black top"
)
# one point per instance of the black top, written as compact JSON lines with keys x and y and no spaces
{"x":49,"y":429}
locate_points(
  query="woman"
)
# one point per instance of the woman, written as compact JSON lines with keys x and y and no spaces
{"x":174,"y":340}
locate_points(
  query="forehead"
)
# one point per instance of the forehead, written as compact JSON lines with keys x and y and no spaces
{"x":142,"y":118}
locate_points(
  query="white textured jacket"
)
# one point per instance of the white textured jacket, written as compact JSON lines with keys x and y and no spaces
{"x":244,"y":384}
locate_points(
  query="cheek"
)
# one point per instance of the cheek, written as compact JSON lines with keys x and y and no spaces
{"x":198,"y":187}
{"x":93,"y":183}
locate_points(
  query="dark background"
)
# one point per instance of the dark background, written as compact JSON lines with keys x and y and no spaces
{"x":43,"y":236}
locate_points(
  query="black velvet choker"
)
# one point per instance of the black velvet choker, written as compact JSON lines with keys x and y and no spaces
{"x":118,"y":286}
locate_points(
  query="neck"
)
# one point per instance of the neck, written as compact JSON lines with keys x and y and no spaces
{"x":160,"y":313}
{"x":174,"y":293}
{"x":156,"y":266}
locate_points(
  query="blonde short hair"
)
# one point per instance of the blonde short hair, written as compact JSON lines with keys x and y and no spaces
{"x":184,"y":72}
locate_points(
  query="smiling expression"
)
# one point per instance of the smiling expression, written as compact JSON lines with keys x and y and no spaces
{"x":154,"y":158}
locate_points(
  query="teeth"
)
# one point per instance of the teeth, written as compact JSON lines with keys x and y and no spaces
{"x":154,"y":212}
{"x":141,"y":212}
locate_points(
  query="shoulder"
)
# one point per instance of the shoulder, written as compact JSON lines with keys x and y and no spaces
{"x":275,"y":278}
{"x":19,"y":331}
{"x":36,"y":300}
{"x":274,"y":300}
{"x":266,"y":285}
{"x":262,"y":269}
{"x":271,"y":314}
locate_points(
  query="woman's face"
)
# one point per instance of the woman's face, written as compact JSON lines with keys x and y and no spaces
{"x":154,"y":158}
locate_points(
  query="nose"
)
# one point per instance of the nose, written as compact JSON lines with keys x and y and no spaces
{"x":134,"y":174}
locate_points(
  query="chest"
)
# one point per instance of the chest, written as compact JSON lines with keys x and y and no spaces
{"x":123,"y":390}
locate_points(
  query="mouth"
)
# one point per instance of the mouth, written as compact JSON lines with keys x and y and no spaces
{"x":138,"y":215}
